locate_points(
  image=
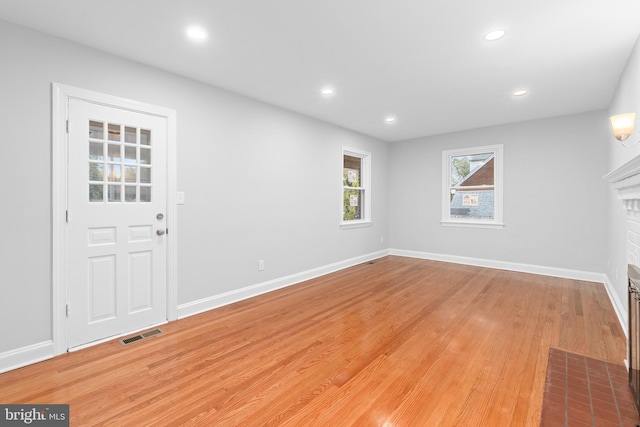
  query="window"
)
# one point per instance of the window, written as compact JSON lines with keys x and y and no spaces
{"x":356,"y":191}
{"x":472,"y":186}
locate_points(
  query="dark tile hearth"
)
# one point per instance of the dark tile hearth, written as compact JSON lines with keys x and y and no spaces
{"x":581,"y":391}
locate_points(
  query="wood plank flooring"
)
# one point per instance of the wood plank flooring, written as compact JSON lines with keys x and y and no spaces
{"x":399,"y":342}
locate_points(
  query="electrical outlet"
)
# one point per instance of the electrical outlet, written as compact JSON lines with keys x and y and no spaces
{"x":260,"y":265}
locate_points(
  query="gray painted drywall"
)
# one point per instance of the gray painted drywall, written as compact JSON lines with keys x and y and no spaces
{"x":263,"y":183}
{"x":626,"y":100}
{"x":554,"y":198}
{"x":260,"y":182}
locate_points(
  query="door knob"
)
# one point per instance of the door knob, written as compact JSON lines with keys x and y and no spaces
{"x":160,"y":232}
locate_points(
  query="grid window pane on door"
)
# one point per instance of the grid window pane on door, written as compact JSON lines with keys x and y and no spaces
{"x":120,"y":163}
{"x":353,"y":191}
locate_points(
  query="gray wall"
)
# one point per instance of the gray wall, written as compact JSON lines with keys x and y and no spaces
{"x":554,"y":198}
{"x":260,"y":182}
{"x":264,"y":183}
{"x":626,"y":100}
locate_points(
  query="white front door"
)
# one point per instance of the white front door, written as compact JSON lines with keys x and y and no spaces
{"x":116,"y":230}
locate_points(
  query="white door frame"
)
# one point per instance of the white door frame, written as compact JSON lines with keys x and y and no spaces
{"x":60,"y":102}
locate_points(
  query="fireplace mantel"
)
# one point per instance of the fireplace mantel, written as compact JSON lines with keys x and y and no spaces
{"x":626,"y":181}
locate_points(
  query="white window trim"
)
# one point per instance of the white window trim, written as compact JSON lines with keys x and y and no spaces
{"x":365,"y":184}
{"x":497,"y":221}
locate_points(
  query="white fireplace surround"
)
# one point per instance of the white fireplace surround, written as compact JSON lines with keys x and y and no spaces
{"x":626,"y":181}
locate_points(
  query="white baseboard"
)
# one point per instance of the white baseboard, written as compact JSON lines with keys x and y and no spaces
{"x":215,"y":301}
{"x":24,"y":356}
{"x":618,"y":306}
{"x":505,"y":265}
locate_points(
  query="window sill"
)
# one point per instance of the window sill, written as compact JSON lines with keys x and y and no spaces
{"x":355,"y":224}
{"x":470,"y":224}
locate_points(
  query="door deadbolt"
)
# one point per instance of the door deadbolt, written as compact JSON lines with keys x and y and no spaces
{"x":160,"y":217}
{"x":160,"y":232}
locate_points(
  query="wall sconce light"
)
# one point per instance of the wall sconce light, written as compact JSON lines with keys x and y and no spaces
{"x":622,"y":126}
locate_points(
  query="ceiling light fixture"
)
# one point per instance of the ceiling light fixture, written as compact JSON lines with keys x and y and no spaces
{"x":520,"y":92}
{"x":390,"y":120}
{"x":495,"y":34}
{"x":622,"y":126}
{"x":196,"y":33}
{"x":328,"y":91}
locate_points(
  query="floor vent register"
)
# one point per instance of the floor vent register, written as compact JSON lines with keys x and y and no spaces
{"x":139,"y":337}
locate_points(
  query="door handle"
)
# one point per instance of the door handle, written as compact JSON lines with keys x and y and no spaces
{"x":160,"y":232}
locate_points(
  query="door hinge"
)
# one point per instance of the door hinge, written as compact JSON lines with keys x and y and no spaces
{"x":66,"y":216}
{"x":67,"y":126}
{"x":67,"y":310}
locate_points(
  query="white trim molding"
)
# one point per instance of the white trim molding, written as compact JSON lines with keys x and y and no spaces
{"x":24,"y":356}
{"x":61,"y":94}
{"x":626,"y":182}
{"x":496,"y":152}
{"x":365,"y":187}
{"x":618,"y":306}
{"x":215,"y":301}
{"x":564,"y":273}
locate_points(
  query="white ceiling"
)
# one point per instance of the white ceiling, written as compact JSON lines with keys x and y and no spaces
{"x":425,"y":62}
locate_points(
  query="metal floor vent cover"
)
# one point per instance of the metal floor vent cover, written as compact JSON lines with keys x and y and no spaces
{"x":148,"y":334}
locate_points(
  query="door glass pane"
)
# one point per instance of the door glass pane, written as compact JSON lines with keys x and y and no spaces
{"x":113,"y":193}
{"x":127,"y":160}
{"x":145,"y":194}
{"x":129,"y":193}
{"x":96,"y":151}
{"x":145,"y":175}
{"x":95,"y":193}
{"x":130,"y":154}
{"x":96,"y":172}
{"x":113,"y":172}
{"x":114,"y":132}
{"x":96,"y":130}
{"x":145,"y":137}
{"x":113,"y":153}
{"x":130,"y":173}
{"x":145,"y":156}
{"x":130,"y":134}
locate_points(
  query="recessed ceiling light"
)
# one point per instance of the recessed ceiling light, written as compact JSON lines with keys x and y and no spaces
{"x":390,"y":120}
{"x":328,"y":91}
{"x":520,"y":92}
{"x":495,"y":34}
{"x":196,"y":33}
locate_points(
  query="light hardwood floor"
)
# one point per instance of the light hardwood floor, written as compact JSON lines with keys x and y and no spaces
{"x":399,"y":342}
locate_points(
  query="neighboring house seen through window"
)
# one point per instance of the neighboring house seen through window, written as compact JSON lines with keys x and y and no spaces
{"x":472,"y":186}
{"x":356,"y":193}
